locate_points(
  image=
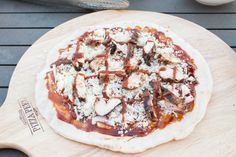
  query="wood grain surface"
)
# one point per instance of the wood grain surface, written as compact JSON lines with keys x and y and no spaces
{"x":16,"y":15}
{"x":214,"y":136}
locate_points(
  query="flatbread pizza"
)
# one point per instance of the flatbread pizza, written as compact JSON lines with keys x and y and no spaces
{"x":126,"y":87}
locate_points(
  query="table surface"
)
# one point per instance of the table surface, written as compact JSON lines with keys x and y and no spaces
{"x":23,"y":23}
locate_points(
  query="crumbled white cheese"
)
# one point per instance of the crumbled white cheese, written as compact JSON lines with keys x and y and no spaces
{"x":89,"y":106}
{"x":65,"y":82}
{"x":93,"y":87}
{"x":99,"y":34}
{"x":67,"y":70}
{"x":179,"y":74}
{"x":136,"y":80}
{"x":185,"y":90}
{"x":86,"y":70}
{"x":144,"y":37}
{"x":167,"y":107}
{"x":188,"y":99}
{"x":158,"y":44}
{"x":114,"y":88}
{"x":191,"y":78}
{"x":69,"y":53}
{"x":168,"y":73}
{"x":170,"y":58}
{"x":135,"y":113}
{"x":120,"y":36}
{"x":123,"y":48}
{"x":164,"y":50}
{"x":65,"y":75}
{"x":83,"y":109}
{"x":91,"y":52}
{"x":133,"y":62}
{"x":176,"y":89}
{"x":130,"y":94}
{"x":138,"y":53}
{"x":115,"y":117}
{"x":144,"y":66}
{"x":148,"y":46}
{"x":115,"y":65}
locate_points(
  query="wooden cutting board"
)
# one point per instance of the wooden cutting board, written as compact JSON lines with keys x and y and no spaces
{"x":23,"y":128}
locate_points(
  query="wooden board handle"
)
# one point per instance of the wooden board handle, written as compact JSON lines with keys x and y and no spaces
{"x":5,"y":125}
{"x":18,"y":125}
{"x":9,"y":123}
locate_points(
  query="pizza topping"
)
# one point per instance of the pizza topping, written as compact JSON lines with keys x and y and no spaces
{"x":135,"y":116}
{"x":149,"y":106}
{"x":80,"y":86}
{"x":78,"y":60}
{"x":148,"y":47}
{"x":85,"y":107}
{"x":168,"y":107}
{"x":168,"y":58}
{"x":103,"y":126}
{"x":97,"y":64}
{"x":132,"y":64}
{"x":113,"y":48}
{"x":122,"y":81}
{"x":185,"y":90}
{"x":175,"y":74}
{"x":144,"y":37}
{"x":120,"y":35}
{"x":188,"y":99}
{"x":99,"y":35}
{"x":102,"y":107}
{"x":104,"y":77}
{"x":167,"y":73}
{"x":115,"y":64}
{"x":90,"y":51}
{"x":135,"y":80}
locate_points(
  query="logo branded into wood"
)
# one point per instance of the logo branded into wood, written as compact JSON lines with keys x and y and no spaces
{"x":29,"y":116}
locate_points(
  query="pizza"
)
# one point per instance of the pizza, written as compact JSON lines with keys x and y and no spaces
{"x":126,"y":87}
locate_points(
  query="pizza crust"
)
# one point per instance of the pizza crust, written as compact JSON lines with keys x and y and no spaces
{"x":174,"y":131}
